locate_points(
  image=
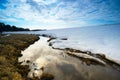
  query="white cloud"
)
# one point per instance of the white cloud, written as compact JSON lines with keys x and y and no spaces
{"x":59,"y":12}
{"x":47,"y":2}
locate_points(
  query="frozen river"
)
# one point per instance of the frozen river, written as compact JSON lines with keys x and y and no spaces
{"x":97,"y":39}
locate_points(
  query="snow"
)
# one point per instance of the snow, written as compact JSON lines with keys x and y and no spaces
{"x":98,"y":39}
{"x":41,"y":58}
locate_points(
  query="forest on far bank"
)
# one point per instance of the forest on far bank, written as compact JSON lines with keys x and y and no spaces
{"x":7,"y":27}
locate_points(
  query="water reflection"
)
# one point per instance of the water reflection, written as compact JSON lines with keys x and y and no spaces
{"x":43,"y":59}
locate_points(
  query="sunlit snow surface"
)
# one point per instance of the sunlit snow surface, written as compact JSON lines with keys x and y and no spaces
{"x":98,"y":39}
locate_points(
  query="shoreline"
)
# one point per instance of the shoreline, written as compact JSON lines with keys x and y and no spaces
{"x":12,"y":45}
{"x":47,"y":59}
{"x":10,"y":50}
{"x":101,"y":56}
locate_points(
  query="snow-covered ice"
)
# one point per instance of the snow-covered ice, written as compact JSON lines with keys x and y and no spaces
{"x":97,"y":39}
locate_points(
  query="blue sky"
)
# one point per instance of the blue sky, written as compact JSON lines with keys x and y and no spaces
{"x":51,"y":14}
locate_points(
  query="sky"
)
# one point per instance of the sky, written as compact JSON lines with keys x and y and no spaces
{"x":53,"y":14}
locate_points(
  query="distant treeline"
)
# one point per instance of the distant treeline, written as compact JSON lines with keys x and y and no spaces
{"x":4,"y":27}
{"x":39,"y":30}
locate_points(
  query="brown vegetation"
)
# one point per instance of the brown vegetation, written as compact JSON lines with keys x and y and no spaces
{"x":88,"y":61}
{"x":10,"y":49}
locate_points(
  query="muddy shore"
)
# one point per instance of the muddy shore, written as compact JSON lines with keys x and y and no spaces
{"x":10,"y":50}
{"x":61,"y":64}
{"x":67,"y":64}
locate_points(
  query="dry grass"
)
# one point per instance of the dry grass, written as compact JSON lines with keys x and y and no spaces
{"x":10,"y":49}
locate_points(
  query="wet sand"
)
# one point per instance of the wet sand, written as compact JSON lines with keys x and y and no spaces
{"x":67,"y":64}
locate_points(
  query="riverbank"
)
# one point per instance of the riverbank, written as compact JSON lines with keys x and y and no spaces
{"x":10,"y":50}
{"x":66,"y":64}
{"x":41,"y":61}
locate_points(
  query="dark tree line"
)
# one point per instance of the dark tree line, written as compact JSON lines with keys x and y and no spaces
{"x":4,"y":27}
